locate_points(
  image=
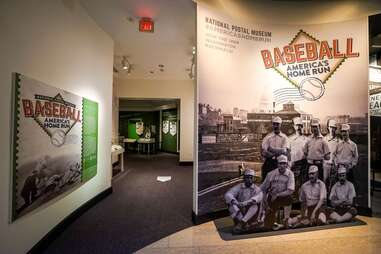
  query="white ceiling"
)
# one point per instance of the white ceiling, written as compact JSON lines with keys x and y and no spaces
{"x":170,"y":44}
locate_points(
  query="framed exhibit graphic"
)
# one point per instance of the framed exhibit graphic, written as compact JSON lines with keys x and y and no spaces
{"x":172,"y":128}
{"x":375,"y":102}
{"x":54,"y":144}
{"x":139,"y":128}
{"x":165,"y":126}
{"x":289,"y":109}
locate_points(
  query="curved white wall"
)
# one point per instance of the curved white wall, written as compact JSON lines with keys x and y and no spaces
{"x":57,"y":43}
{"x":295,"y":12}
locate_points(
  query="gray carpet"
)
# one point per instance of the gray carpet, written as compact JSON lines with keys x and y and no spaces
{"x":140,"y":211}
{"x":225,"y":225}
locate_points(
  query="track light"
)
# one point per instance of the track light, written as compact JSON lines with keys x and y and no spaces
{"x":126,"y":64}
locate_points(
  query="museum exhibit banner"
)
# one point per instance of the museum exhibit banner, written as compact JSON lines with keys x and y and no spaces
{"x":311,"y":80}
{"x":375,"y":102}
{"x":54,"y":143}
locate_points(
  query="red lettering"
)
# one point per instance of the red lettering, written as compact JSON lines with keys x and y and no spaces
{"x":311,"y":51}
{"x":78,"y":116}
{"x":39,"y":109}
{"x":288,"y":54}
{"x":70,"y":113}
{"x":48,"y":109}
{"x":325,"y":51}
{"x":62,"y":111}
{"x":267,"y":59}
{"x":350,"y":48}
{"x":299,"y":53}
{"x":28,"y":107}
{"x":278,"y":58}
{"x":56,"y":109}
{"x":336,"y":51}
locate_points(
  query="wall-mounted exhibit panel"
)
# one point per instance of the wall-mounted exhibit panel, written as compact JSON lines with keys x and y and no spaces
{"x":54,"y":145}
{"x":169,"y":130}
{"x":289,"y":102}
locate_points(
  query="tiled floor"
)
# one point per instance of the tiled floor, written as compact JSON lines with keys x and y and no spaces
{"x":204,"y":238}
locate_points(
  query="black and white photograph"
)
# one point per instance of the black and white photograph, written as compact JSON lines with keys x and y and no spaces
{"x":283,"y":130}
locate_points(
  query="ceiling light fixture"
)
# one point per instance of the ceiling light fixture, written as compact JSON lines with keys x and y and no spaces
{"x":126,"y":64}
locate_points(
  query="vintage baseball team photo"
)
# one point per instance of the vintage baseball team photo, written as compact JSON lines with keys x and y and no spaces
{"x":283,"y":135}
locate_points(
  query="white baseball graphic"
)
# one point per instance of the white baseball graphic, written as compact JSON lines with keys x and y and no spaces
{"x":58,"y":138}
{"x":311,"y":89}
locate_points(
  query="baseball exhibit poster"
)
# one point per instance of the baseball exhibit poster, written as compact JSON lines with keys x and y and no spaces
{"x":287,"y":107}
{"x":375,"y":104}
{"x":54,"y":143}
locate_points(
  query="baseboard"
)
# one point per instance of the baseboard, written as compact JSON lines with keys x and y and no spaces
{"x":60,"y":227}
{"x":170,"y":152}
{"x":185,"y":163}
{"x":199,"y":219}
{"x":364,"y":211}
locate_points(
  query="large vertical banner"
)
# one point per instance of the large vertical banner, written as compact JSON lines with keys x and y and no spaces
{"x":54,"y":144}
{"x":270,"y":90}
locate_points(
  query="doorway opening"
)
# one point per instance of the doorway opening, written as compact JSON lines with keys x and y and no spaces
{"x":153,"y":189}
{"x":148,"y":128}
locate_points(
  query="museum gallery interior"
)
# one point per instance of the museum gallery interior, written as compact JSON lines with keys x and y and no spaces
{"x":190,"y":126}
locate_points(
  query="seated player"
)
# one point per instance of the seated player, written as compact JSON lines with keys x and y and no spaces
{"x":278,"y":187}
{"x":312,"y":196}
{"x":341,"y":197}
{"x":244,"y":202}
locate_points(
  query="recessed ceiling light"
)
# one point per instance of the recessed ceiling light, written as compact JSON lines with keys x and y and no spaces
{"x":161,"y":65}
{"x":151,"y":72}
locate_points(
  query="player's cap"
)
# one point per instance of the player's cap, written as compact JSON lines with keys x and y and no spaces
{"x":249,"y":172}
{"x":277,"y":119}
{"x":313,"y":169}
{"x":315,"y":122}
{"x":332,"y":123}
{"x":342,"y":170}
{"x":282,"y":158}
{"x":297,"y":121}
{"x":345,"y":127}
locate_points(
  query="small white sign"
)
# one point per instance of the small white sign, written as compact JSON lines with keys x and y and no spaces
{"x":164,"y":178}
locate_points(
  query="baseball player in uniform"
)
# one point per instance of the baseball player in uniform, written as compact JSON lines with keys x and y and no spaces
{"x":316,"y":149}
{"x":341,"y":198}
{"x":274,"y":144}
{"x":313,"y":195}
{"x":346,"y":153}
{"x":332,"y":139}
{"x":244,"y":202}
{"x":278,"y":188}
{"x":298,"y":161}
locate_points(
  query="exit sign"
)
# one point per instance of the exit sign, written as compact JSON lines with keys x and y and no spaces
{"x":146,"y":25}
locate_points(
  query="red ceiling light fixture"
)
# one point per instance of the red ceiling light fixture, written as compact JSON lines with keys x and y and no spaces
{"x":146,"y":25}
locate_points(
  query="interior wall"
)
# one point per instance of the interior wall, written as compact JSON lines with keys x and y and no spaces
{"x":57,"y":43}
{"x":115,"y":115}
{"x":162,"y":89}
{"x":284,"y":12}
{"x":295,"y":12}
{"x":169,"y":142}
